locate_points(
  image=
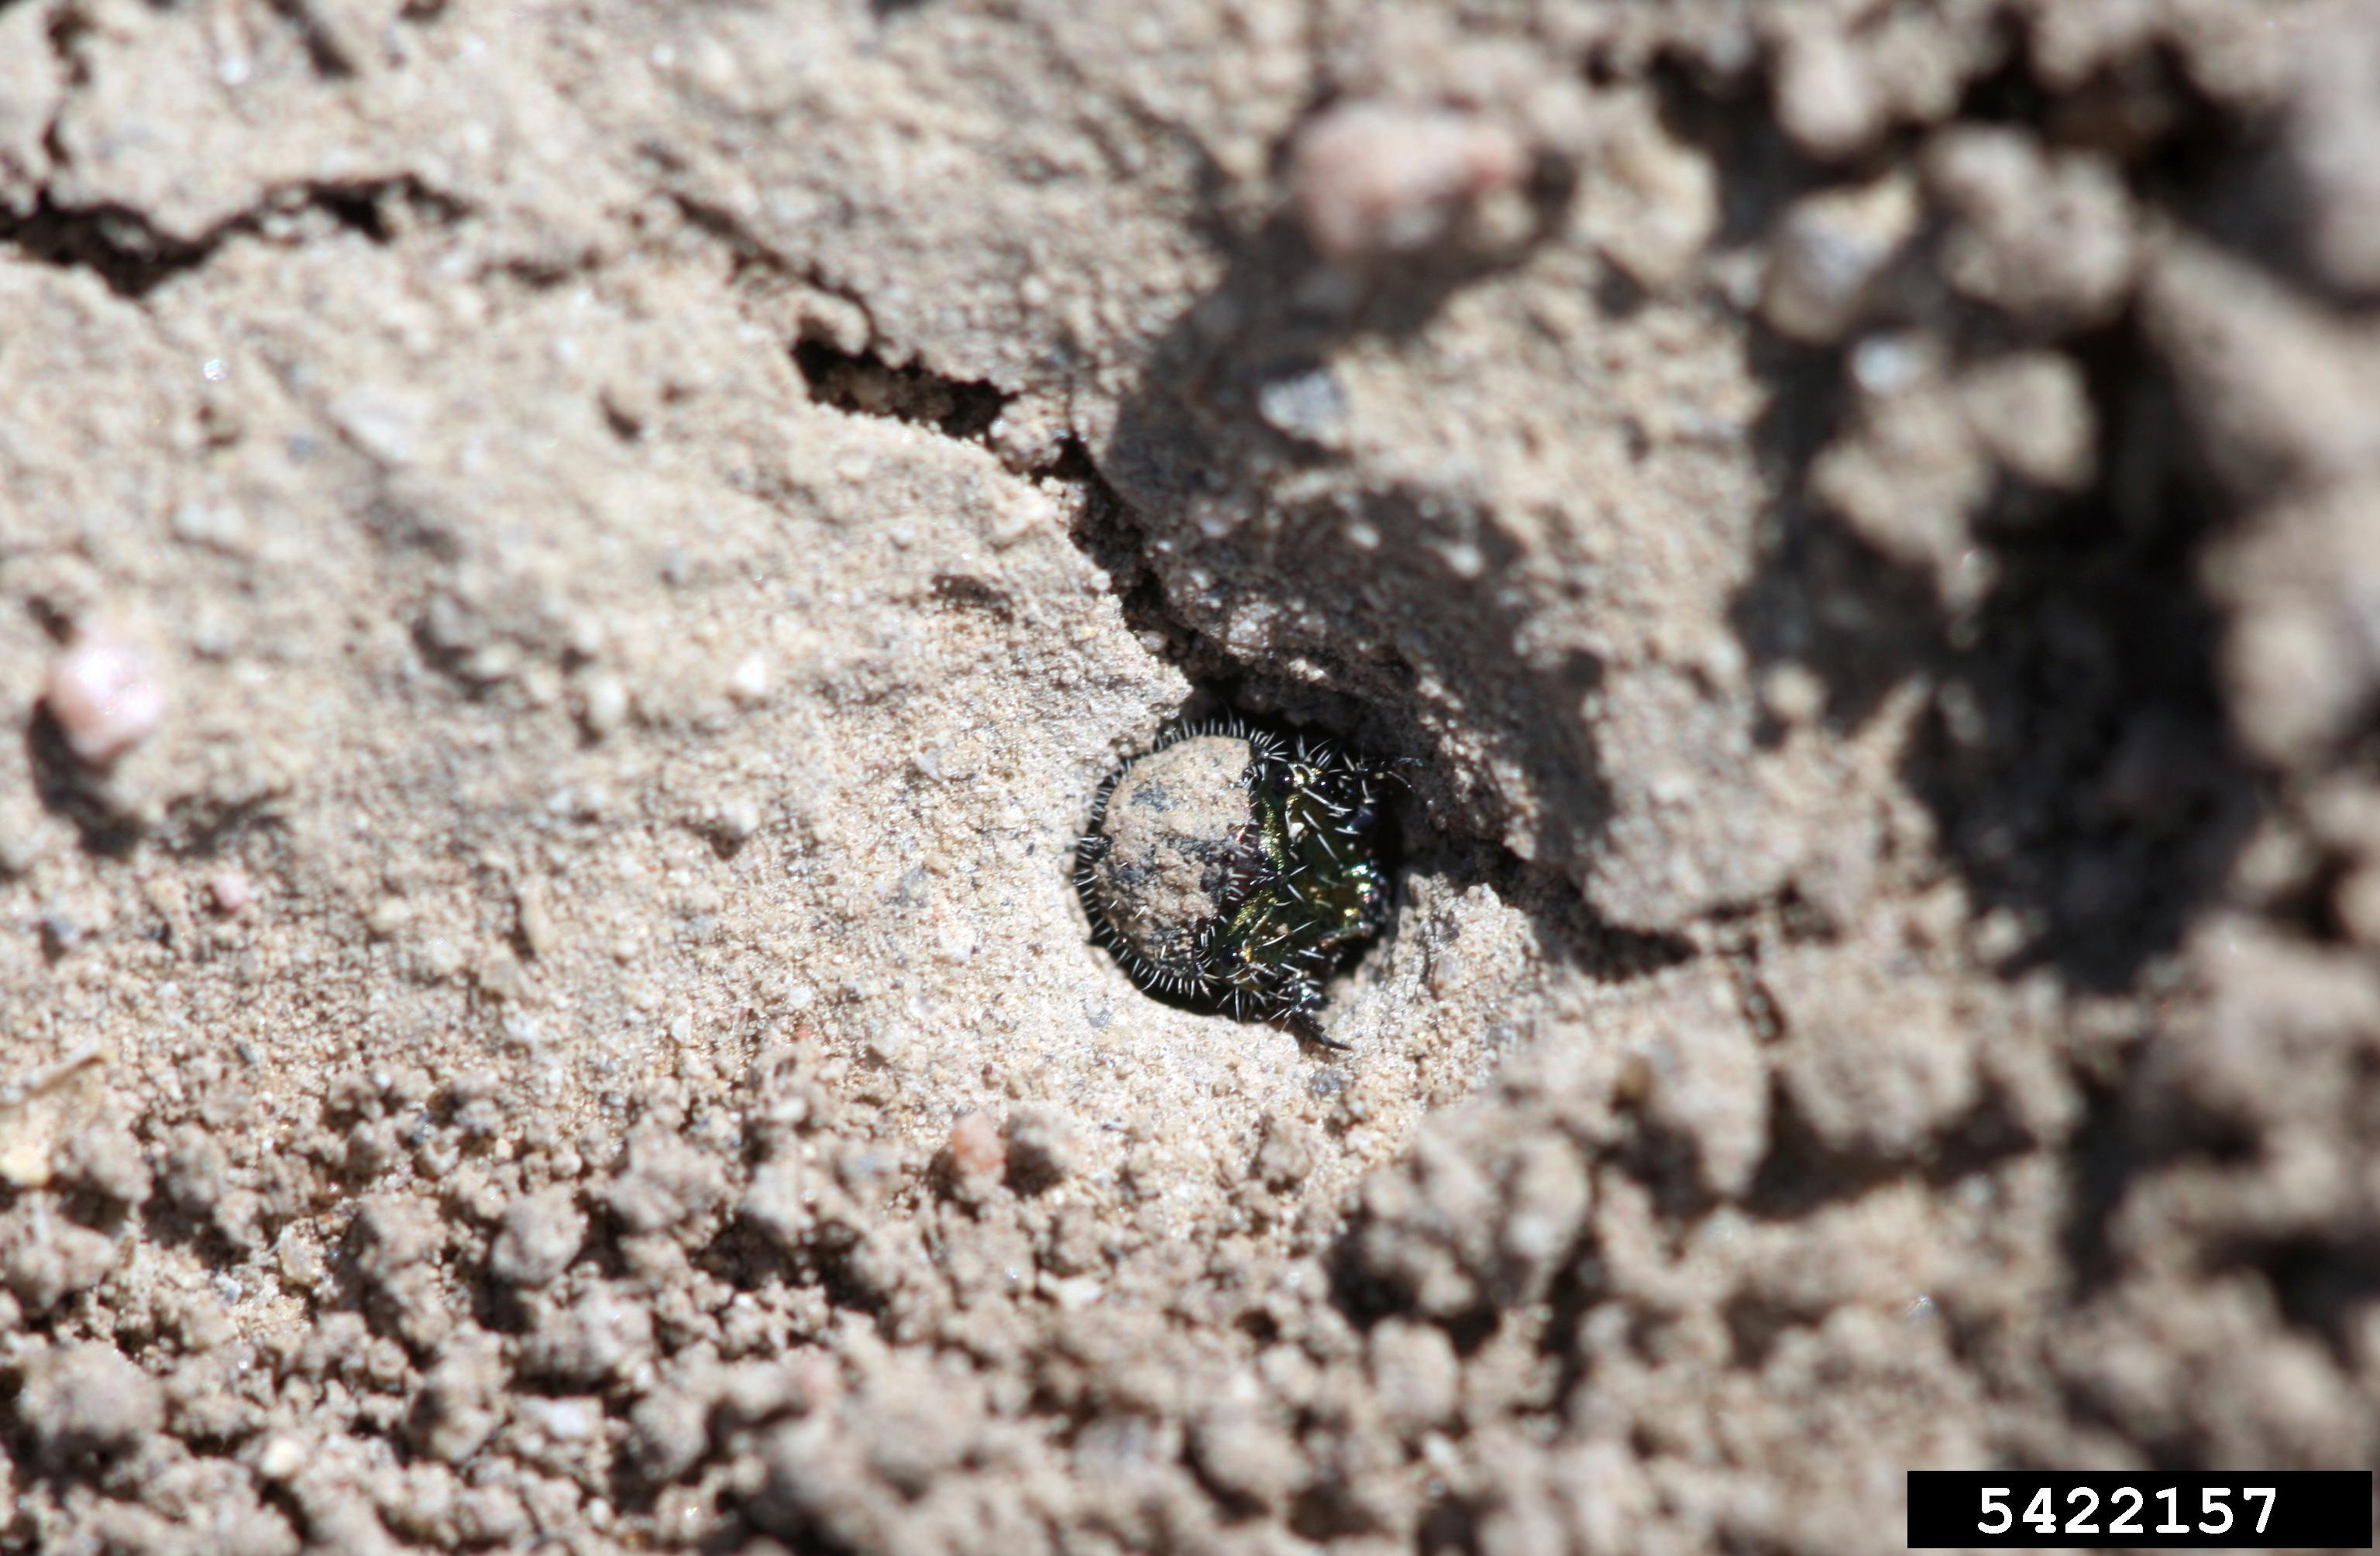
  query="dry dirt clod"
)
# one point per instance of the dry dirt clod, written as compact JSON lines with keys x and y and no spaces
{"x":977,"y":1151}
{"x":1830,"y":254}
{"x":538,"y":1238}
{"x":84,"y":1399}
{"x":2047,"y":236}
{"x":1826,"y":94}
{"x":1042,"y":1150}
{"x":1650,"y":201}
{"x":2036,"y":418}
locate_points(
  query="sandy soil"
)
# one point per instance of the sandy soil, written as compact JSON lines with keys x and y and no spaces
{"x":569,"y":573}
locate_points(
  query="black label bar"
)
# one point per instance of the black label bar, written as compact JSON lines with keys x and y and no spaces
{"x":2077,"y":1509}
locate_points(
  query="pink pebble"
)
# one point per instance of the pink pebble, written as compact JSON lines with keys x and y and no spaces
{"x":229,"y":890}
{"x":105,"y":694}
{"x":976,"y":1150}
{"x":1377,"y":178}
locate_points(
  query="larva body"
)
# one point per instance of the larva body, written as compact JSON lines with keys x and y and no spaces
{"x":1235,"y":868}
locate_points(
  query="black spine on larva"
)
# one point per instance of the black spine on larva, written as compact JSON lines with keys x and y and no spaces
{"x":1292,"y":912}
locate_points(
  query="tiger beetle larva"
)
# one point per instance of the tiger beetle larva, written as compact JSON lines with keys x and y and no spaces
{"x":1235,"y":868}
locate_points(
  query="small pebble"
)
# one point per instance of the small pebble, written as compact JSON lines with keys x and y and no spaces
{"x":1377,"y":178}
{"x":281,"y":1458}
{"x":229,"y":891}
{"x":749,"y":684}
{"x":734,"y":819}
{"x":606,"y":701}
{"x":564,"y":1420}
{"x":534,"y":920}
{"x":1309,"y":404}
{"x":105,"y":694}
{"x":976,"y":1148}
{"x":1793,"y":695}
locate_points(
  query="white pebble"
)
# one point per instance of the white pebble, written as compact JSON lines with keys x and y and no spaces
{"x":229,"y":890}
{"x":281,"y":1458}
{"x":1793,"y":695}
{"x":735,"y":818}
{"x":750,"y":682}
{"x":606,"y":703}
{"x":1376,"y":177}
{"x":564,"y":1420}
{"x":105,"y":694}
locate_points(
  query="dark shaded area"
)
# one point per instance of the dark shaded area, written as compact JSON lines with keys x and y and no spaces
{"x":2075,"y":754}
{"x":123,"y":250}
{"x":59,"y":782}
{"x":963,"y":593}
{"x":1802,"y":1174}
{"x":864,"y":384}
{"x":2101,"y":1164}
{"x":115,"y":245}
{"x":1451,"y":1528}
{"x":1236,"y":402}
{"x":2084,"y":775}
{"x":2324,"y":1286}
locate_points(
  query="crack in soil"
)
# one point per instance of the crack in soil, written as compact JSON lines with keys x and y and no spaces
{"x":123,"y":249}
